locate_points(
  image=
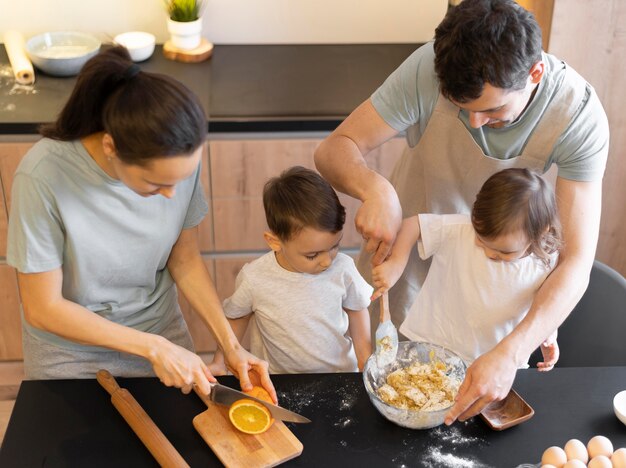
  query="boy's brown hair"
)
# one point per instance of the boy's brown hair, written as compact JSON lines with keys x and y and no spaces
{"x":300,"y":198}
{"x":515,"y":199}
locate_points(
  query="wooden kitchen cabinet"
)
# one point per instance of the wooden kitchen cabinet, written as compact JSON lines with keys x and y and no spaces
{"x":10,"y":321}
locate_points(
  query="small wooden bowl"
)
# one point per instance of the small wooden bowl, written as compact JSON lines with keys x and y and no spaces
{"x":509,"y":412}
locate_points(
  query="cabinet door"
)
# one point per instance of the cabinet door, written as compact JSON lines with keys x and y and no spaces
{"x":205,"y":229}
{"x":10,"y":156}
{"x":203,"y":340}
{"x":10,"y":322}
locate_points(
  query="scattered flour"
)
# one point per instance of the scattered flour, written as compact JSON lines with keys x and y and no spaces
{"x":435,"y":459}
{"x":452,"y":435}
{"x":11,"y":88}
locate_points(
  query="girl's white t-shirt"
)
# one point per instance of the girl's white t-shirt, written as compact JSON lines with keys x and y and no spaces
{"x":468,"y":302}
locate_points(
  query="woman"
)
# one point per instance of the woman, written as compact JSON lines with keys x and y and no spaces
{"x":103,"y":228}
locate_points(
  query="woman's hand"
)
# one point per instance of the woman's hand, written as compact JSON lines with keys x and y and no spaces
{"x":178,"y":367}
{"x":250,"y":371}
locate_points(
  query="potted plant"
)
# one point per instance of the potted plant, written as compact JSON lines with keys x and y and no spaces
{"x":184,"y":23}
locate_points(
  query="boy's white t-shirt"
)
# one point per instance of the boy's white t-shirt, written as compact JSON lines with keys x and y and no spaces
{"x":299,"y":325}
{"x":468,"y":302}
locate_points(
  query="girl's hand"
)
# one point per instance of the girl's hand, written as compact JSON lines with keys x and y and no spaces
{"x":178,"y":367}
{"x":250,"y":371}
{"x":550,"y":351}
{"x":385,"y":275}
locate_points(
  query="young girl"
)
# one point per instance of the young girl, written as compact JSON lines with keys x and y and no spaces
{"x":485,"y":270}
{"x":308,"y":300}
{"x":103,"y":229}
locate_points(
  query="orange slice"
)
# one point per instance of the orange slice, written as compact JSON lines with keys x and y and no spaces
{"x":250,"y":417}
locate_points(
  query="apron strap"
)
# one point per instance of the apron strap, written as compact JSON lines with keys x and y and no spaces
{"x":559,"y":114}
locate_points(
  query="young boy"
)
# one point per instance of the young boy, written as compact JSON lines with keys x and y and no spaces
{"x":308,"y":301}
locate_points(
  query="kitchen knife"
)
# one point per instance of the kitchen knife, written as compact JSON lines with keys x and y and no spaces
{"x":223,"y":395}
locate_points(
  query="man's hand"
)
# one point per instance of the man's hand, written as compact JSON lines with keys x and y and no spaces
{"x":378,"y":220}
{"x":488,"y":379}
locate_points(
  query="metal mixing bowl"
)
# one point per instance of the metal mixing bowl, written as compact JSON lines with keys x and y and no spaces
{"x":61,"y":53}
{"x":411,"y":352}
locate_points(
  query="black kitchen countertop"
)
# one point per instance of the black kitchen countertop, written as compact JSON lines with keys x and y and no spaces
{"x":243,"y":88}
{"x":73,"y":423}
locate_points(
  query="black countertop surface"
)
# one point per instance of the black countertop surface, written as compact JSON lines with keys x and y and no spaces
{"x":245,"y":88}
{"x":73,"y":423}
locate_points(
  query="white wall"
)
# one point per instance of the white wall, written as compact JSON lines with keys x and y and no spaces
{"x":237,"y":21}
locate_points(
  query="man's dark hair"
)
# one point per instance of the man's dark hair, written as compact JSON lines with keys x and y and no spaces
{"x":485,"y":41}
{"x":300,"y":198}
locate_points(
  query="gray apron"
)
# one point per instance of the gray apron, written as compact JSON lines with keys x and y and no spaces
{"x":446,"y":169}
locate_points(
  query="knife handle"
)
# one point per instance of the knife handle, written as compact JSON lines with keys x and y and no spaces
{"x":205,"y":398}
{"x":139,"y":421}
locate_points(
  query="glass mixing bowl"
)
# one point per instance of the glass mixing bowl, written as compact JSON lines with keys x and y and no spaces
{"x":411,"y":352}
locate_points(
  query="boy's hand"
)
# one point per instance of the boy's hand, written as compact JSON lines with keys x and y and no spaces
{"x":218,"y":365}
{"x":550,"y":352}
{"x":385,"y":275}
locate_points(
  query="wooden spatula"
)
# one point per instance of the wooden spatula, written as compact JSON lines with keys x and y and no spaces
{"x":386,"y":335}
{"x":139,"y":421}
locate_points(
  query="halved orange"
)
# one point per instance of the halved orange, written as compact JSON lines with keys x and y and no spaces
{"x":260,"y":393}
{"x":250,"y":417}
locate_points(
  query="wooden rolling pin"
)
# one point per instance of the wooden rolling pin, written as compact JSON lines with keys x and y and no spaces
{"x":151,"y":436}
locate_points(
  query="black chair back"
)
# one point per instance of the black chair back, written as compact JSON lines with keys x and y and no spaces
{"x":594,"y":334}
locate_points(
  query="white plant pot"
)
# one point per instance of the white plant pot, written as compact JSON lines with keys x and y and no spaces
{"x":185,"y":35}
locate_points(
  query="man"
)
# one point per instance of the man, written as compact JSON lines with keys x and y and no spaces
{"x":480,"y":98}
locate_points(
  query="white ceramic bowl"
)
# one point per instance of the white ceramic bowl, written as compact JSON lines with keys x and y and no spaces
{"x":61,"y":53}
{"x":140,"y":44}
{"x":411,"y":352}
{"x":619,"y":406}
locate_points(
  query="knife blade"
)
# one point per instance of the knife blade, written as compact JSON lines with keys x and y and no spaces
{"x":223,"y":395}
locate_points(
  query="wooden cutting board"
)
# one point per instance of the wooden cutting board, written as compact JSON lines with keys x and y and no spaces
{"x":236,"y":449}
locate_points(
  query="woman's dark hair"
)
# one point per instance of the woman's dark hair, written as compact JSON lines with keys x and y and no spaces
{"x":515,"y":199}
{"x":300,"y":198}
{"x":485,"y":41}
{"x":148,"y":115}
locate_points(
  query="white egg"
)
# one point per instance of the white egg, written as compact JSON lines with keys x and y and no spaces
{"x":548,"y":466}
{"x":575,"y":464}
{"x":600,"y":461}
{"x":599,"y":445}
{"x":619,"y":458}
{"x":554,"y":456}
{"x":576,"y":450}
